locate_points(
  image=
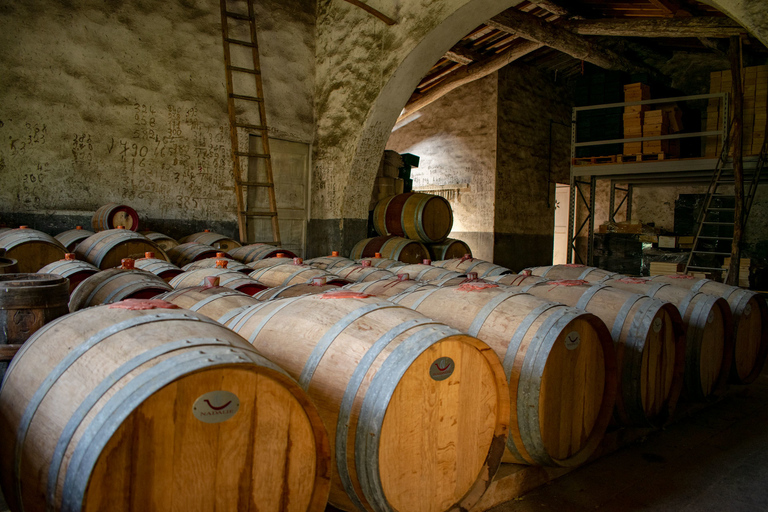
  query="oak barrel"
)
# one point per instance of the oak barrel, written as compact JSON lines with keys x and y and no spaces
{"x":29,"y":301}
{"x":750,"y":323}
{"x":248,"y":253}
{"x":31,"y":249}
{"x":215,"y":240}
{"x":113,"y":409}
{"x":227,"y":278}
{"x":448,"y":249}
{"x":114,"y":285}
{"x":423,"y":217}
{"x":212,"y":301}
{"x":380,"y":262}
{"x":71,"y":268}
{"x":106,"y":249}
{"x":213,"y":263}
{"x":164,"y":241}
{"x":467,"y":264}
{"x":283,"y":275}
{"x":387,"y":287}
{"x":72,"y":237}
{"x":709,"y":332}
{"x":394,"y":248}
{"x":112,"y":215}
{"x":317,"y":285}
{"x":329,"y":262}
{"x":279,"y":259}
{"x":184,"y":254}
{"x":649,"y":338}
{"x":573,"y":271}
{"x":425,"y":272}
{"x":522,"y":279}
{"x":360,"y":273}
{"x":165,"y":270}
{"x":394,"y":389}
{"x":8,"y":265}
{"x":559,"y":361}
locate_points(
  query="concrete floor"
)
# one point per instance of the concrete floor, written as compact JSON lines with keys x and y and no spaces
{"x":714,"y":460}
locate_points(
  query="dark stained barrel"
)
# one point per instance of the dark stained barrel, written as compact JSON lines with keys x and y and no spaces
{"x":107,"y":249}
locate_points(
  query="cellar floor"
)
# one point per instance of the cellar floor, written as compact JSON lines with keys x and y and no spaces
{"x":713,"y":460}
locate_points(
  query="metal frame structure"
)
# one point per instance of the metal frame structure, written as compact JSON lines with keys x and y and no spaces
{"x":632,"y":174}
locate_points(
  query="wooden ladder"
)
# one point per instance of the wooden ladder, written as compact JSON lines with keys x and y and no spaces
{"x":244,"y":213}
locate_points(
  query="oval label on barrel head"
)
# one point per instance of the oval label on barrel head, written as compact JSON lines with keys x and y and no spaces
{"x":656,"y":325}
{"x":216,"y":406}
{"x":572,"y":340}
{"x":442,"y":368}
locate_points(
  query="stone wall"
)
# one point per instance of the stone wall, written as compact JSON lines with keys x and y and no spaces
{"x":533,"y":154}
{"x":126,"y":102}
{"x":455,"y":137}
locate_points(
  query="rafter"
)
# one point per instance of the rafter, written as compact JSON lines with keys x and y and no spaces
{"x":709,"y":26}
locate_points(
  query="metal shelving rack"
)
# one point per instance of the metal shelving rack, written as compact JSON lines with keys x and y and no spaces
{"x":688,"y":171}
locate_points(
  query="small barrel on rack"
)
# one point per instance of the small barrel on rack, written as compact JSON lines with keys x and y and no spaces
{"x":215,"y":240}
{"x":448,"y":249}
{"x":31,"y":249}
{"x":107,"y":249}
{"x":112,"y":215}
{"x":559,"y":361}
{"x":390,"y":247}
{"x":424,"y":217}
{"x":214,"y":263}
{"x":165,"y":242}
{"x":317,"y":285}
{"x":750,"y":323}
{"x":184,"y":254}
{"x":227,"y":278}
{"x":73,"y":269}
{"x":71,"y":238}
{"x":165,"y":270}
{"x":116,"y":284}
{"x":398,"y":387}
{"x":180,"y":401}
{"x":250,"y":253}
{"x":468,"y":264}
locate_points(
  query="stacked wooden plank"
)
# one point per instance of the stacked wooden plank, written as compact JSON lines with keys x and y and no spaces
{"x":388,"y":181}
{"x":655,"y":123}
{"x":744,"y":264}
{"x":755,"y":108}
{"x":660,"y":268}
{"x":634,"y":115}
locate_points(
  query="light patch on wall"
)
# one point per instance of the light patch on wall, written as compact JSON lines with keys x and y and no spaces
{"x":405,"y":121}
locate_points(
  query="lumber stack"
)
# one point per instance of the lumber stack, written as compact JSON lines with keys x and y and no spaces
{"x":634,"y":115}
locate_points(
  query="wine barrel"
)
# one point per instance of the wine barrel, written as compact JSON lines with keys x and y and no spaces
{"x":283,"y":275}
{"x":469,"y":264}
{"x":184,"y":254}
{"x":395,"y":248}
{"x":112,"y":215}
{"x":210,"y":300}
{"x":165,"y":270}
{"x":709,"y":332}
{"x":317,"y":285}
{"x":73,"y":269}
{"x":9,"y":266}
{"x":573,"y":271}
{"x":71,"y":238}
{"x":522,"y":279}
{"x":114,"y":285}
{"x":215,"y":240}
{"x":31,"y":249}
{"x":155,"y":410}
{"x":279,"y":259}
{"x":750,"y":323}
{"x":387,"y":287}
{"x":330,"y":262}
{"x":423,"y":217}
{"x":559,"y":361}
{"x":249,"y":253}
{"x":448,"y":249}
{"x":394,"y":388}
{"x":379,"y":262}
{"x":425,"y":272}
{"x":227,"y":278}
{"x":29,"y":301}
{"x":106,"y":249}
{"x":362,"y":273}
{"x":649,"y":338}
{"x":165,"y":242}
{"x":213,"y":263}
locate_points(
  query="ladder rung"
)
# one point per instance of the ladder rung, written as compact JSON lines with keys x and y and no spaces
{"x":241,"y":43}
{"x":258,"y":214}
{"x":237,"y":15}
{"x":706,"y":268}
{"x":244,"y":70}
{"x":712,"y":252}
{"x":251,"y":126}
{"x":719,"y":223}
{"x":721,"y":209}
{"x":255,"y":184}
{"x":247,"y":98}
{"x":254,"y":155}
{"x":716,"y":237}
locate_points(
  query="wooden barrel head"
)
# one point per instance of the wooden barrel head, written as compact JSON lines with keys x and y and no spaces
{"x":31,"y":249}
{"x":712,"y":353}
{"x":427,"y":218}
{"x":751,"y":340}
{"x":658,"y":365}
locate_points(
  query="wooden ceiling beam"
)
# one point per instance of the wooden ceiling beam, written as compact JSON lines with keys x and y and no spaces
{"x":672,"y":8}
{"x":709,"y":26}
{"x":549,"y":34}
{"x":463,"y":55}
{"x":468,"y":74}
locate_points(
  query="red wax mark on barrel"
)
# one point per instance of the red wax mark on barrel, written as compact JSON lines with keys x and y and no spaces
{"x":142,"y":304}
{"x":475,"y":287}
{"x":632,"y":280}
{"x":344,"y":295}
{"x":574,"y":265}
{"x":569,"y":282}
